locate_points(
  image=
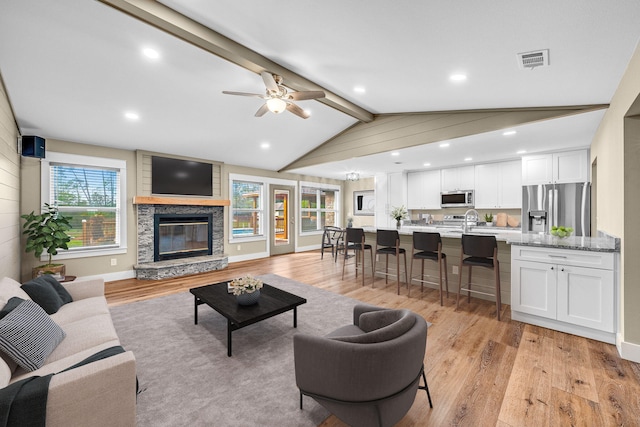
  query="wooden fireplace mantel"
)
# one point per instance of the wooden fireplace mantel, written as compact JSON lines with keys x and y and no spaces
{"x":146,"y":200}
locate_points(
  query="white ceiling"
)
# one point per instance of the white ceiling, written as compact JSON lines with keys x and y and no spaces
{"x":72,"y":68}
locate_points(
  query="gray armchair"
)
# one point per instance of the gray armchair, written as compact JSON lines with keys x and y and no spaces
{"x":367,"y":373}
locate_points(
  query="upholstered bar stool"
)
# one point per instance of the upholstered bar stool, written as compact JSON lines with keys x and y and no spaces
{"x":429,"y":247}
{"x":354,"y":240}
{"x":479,"y":251}
{"x":388,"y":243}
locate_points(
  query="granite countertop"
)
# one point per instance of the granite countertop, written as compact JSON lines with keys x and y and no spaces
{"x":602,"y":243}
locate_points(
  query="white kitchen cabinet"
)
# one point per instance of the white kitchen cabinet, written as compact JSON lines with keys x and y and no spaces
{"x":423,"y":190}
{"x":498,"y":185}
{"x":569,"y":166}
{"x":534,"y":288}
{"x":391,"y":191}
{"x":568,"y":290}
{"x":461,"y":178}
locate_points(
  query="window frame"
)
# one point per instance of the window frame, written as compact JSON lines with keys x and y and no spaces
{"x":121,"y":209}
{"x":262,"y":211}
{"x":319,"y":187}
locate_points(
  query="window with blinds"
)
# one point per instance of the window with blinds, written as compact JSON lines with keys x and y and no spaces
{"x":91,"y":197}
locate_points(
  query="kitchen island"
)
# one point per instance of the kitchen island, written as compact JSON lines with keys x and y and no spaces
{"x":569,"y":284}
{"x":483,"y":279}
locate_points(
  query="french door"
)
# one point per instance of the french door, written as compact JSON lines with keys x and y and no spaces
{"x":283,"y":230}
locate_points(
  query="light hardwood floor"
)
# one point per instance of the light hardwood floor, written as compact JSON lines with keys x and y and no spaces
{"x":481,"y":372}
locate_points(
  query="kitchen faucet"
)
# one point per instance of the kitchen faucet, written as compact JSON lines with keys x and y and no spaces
{"x":465,"y":226}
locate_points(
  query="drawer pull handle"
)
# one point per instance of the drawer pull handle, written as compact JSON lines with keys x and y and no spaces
{"x":552,"y":268}
{"x":557,"y":256}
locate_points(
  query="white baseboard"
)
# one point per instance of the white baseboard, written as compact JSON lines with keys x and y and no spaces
{"x":627,"y":350}
{"x":110,"y":277}
{"x":307,"y":248}
{"x":248,"y":257}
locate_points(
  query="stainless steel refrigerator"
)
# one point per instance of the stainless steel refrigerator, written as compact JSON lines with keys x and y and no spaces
{"x":544,"y":206}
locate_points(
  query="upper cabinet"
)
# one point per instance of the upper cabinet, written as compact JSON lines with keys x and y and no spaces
{"x":423,"y":190}
{"x":391,"y":191}
{"x":498,"y":185}
{"x":453,"y":179}
{"x":570,"y":166}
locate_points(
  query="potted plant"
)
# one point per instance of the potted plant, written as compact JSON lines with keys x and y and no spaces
{"x":398,"y":213}
{"x":47,"y":232}
{"x":246,"y":289}
{"x":488,"y":218}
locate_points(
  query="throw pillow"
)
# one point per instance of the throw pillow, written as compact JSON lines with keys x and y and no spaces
{"x":29,"y":336}
{"x":11,"y":304}
{"x":62,"y":292}
{"x":43,"y":293}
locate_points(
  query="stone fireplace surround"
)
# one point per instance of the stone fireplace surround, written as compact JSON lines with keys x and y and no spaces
{"x":147,"y":207}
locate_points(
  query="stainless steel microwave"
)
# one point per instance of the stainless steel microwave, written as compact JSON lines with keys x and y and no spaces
{"x":457,"y":199}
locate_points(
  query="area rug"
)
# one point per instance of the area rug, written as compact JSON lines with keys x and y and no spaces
{"x":186,"y":378}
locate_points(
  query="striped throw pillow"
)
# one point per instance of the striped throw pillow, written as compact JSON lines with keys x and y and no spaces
{"x":28,"y":335}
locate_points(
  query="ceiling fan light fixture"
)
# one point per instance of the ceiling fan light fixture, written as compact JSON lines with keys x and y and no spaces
{"x":276,"y":105}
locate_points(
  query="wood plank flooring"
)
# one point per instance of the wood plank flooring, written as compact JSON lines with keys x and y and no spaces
{"x":481,"y":372}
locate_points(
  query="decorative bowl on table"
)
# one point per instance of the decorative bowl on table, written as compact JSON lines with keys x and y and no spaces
{"x":561,"y":232}
{"x":246,"y":289}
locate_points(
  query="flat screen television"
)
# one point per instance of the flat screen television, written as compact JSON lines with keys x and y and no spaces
{"x":181,"y":177}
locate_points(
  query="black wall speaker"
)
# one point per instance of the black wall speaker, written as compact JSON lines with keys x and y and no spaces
{"x":33,"y":146}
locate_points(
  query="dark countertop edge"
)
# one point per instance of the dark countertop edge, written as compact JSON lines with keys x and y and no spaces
{"x":602,"y":243}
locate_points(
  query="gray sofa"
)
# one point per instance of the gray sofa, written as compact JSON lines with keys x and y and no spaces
{"x":99,"y":393}
{"x":368,"y":373}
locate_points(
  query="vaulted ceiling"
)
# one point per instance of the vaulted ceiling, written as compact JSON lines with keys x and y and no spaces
{"x":73,"y":68}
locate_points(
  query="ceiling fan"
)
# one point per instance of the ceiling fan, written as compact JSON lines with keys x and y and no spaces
{"x":278,"y":98}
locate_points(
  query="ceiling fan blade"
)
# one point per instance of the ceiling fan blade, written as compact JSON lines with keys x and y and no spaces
{"x":306,"y":94}
{"x":293,"y":108}
{"x":269,"y":81}
{"x":254,"y":95}
{"x":262,"y":110}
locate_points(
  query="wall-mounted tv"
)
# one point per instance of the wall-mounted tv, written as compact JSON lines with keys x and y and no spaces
{"x":181,"y":177}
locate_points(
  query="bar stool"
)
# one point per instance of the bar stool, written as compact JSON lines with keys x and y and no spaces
{"x":354,"y":240}
{"x":429,"y":246}
{"x":389,"y":242}
{"x":482,"y":251}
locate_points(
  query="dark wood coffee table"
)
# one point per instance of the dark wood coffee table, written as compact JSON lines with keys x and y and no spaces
{"x":273,"y":301}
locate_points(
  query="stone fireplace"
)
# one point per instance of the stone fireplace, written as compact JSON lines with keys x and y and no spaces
{"x":181,"y":236}
{"x":178,"y":236}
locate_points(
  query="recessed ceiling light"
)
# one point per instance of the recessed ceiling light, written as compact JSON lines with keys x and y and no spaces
{"x":131,"y":115}
{"x":467,"y":159}
{"x":521,"y":152}
{"x":265,"y":145}
{"x":458,"y":77}
{"x":426,"y":164}
{"x":359,"y":89}
{"x":307,"y":111}
{"x":150,"y":53}
{"x":444,"y":145}
{"x":509,"y":132}
{"x":395,"y":153}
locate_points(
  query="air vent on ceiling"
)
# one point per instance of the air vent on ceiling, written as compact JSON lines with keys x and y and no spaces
{"x":530,"y":60}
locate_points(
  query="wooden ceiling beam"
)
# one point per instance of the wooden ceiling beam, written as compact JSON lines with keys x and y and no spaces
{"x":184,"y":28}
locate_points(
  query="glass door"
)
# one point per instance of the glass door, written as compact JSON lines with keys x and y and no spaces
{"x":283,"y":229}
